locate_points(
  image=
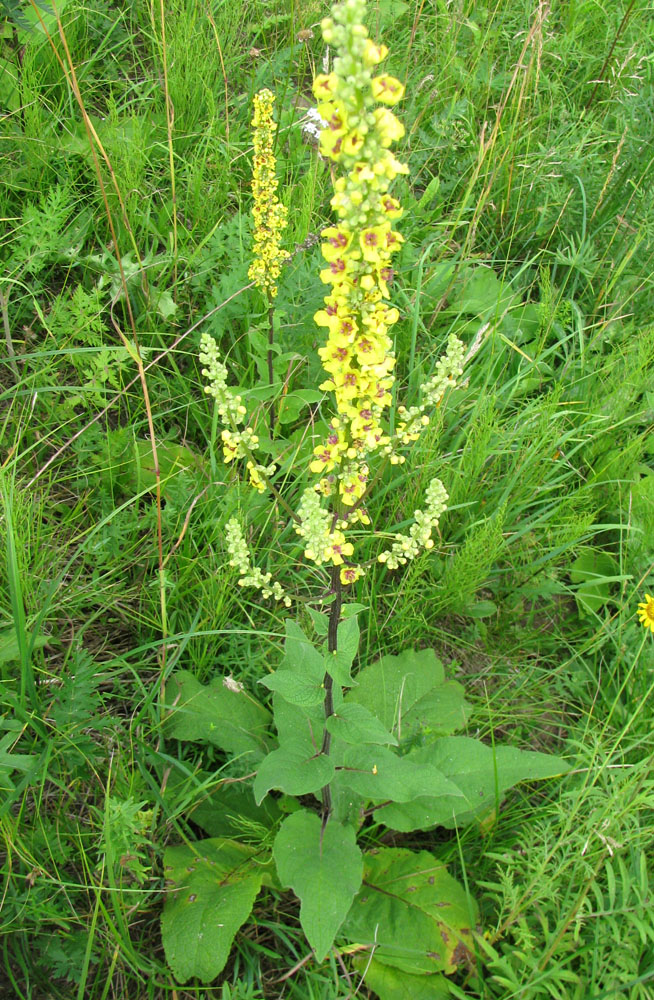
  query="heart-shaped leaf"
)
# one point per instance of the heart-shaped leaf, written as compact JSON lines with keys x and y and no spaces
{"x":292,"y":770}
{"x":324,"y":868}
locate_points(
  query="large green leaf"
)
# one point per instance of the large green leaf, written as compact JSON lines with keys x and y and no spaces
{"x":417,"y":916}
{"x":482,"y":774}
{"x":297,"y":689}
{"x":410,"y":696}
{"x":481,"y":293}
{"x":292,"y":403}
{"x":300,"y":655}
{"x":172,"y":458}
{"x":225,"y":716}
{"x":212,"y":886}
{"x":293,"y":770}
{"x":296,"y":722}
{"x":319,"y":620}
{"x":339,"y":663}
{"x":390,"y":983}
{"x":323,"y":867}
{"x":301,"y":675}
{"x":355,"y":724}
{"x":231,"y":809}
{"x":378,"y":773}
{"x":9,"y":646}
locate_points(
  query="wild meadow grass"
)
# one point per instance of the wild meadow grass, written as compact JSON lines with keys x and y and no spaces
{"x":529,"y":224}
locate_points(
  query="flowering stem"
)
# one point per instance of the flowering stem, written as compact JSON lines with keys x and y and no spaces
{"x":332,"y":646}
{"x":271,"y":373}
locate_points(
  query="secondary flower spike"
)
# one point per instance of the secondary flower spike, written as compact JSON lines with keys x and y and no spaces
{"x":268,"y":212}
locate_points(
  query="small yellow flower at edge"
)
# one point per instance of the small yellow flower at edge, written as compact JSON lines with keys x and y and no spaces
{"x":350,"y":575}
{"x":646,"y":612}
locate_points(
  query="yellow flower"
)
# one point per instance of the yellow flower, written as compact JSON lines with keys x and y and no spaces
{"x":338,"y":240}
{"x":646,"y":612}
{"x":387,"y":89}
{"x":324,"y":86}
{"x":390,"y":128}
{"x":391,"y":207}
{"x":350,"y":575}
{"x":373,"y":54}
{"x":352,"y":487}
{"x":373,"y":242}
{"x":338,"y":548}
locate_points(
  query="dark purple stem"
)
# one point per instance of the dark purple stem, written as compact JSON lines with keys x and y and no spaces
{"x":332,"y":646}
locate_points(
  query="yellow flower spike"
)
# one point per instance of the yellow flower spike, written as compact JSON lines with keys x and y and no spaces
{"x":268,"y":213}
{"x":646,"y":612}
{"x":387,"y":89}
{"x":357,"y":356}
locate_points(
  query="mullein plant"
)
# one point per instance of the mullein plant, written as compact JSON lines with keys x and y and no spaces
{"x":355,"y":101}
{"x":338,"y":738}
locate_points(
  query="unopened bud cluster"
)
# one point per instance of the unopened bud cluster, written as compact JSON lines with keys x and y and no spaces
{"x":406,"y":547}
{"x":237,"y":442}
{"x":412,"y":422}
{"x":249,"y":575}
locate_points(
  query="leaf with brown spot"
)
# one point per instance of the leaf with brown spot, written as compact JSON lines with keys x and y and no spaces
{"x":206,"y":903}
{"x":415,"y":915}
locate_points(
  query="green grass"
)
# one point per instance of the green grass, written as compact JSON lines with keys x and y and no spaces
{"x":529,"y":209}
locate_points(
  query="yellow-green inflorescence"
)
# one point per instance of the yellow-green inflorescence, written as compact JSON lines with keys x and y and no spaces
{"x":354,"y":100}
{"x":249,"y":575}
{"x":268,"y":212}
{"x":237,"y":442}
